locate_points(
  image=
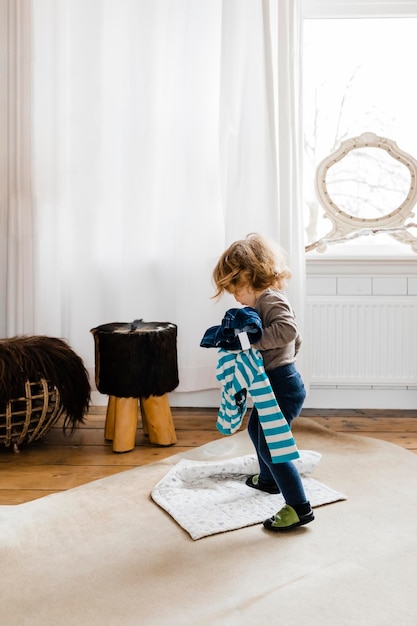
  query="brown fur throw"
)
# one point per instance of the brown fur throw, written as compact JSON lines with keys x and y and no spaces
{"x":136,"y":360}
{"x":25,"y":359}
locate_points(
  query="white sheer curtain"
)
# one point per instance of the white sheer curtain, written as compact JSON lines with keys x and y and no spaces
{"x":161,"y":131}
{"x":16,"y":234}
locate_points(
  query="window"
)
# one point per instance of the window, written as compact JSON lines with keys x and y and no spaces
{"x":357,"y":79}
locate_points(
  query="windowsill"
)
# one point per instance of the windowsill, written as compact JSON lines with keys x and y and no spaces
{"x":354,"y":259}
{"x":379,"y":246}
{"x":363,"y":252}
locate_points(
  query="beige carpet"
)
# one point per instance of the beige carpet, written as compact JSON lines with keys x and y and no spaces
{"x":105,"y":554}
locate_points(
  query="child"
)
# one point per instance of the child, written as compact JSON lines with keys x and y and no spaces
{"x":253,"y":270}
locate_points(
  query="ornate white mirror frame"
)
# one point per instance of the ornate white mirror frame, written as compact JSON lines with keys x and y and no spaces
{"x":346,"y":226}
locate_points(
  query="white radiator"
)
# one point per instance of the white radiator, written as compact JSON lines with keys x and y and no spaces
{"x":362,"y":340}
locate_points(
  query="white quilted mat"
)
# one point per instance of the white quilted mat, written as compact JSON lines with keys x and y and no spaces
{"x":210,"y":497}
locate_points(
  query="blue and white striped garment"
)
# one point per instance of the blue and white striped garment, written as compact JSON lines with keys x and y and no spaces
{"x":243,"y":371}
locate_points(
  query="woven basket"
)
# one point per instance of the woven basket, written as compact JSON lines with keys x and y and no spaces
{"x":41,"y":378}
{"x":31,"y":417}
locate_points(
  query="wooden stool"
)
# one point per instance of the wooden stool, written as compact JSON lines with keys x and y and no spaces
{"x":122,"y":421}
{"x":137,"y":361}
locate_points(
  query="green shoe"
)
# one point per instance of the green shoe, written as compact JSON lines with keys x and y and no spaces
{"x":287,"y":518}
{"x":256,"y":482}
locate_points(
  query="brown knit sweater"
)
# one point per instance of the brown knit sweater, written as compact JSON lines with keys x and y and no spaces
{"x":280,"y":340}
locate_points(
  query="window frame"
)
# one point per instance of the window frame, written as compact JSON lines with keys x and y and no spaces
{"x":339,"y":9}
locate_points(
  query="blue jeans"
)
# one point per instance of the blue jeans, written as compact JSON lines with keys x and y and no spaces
{"x":288,"y":387}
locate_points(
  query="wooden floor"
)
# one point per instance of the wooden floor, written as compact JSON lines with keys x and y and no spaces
{"x":57,"y":463}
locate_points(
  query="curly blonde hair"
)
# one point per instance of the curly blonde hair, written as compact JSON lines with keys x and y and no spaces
{"x":254,"y":261}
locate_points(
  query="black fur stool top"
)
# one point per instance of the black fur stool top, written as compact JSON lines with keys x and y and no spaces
{"x":137,"y":360}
